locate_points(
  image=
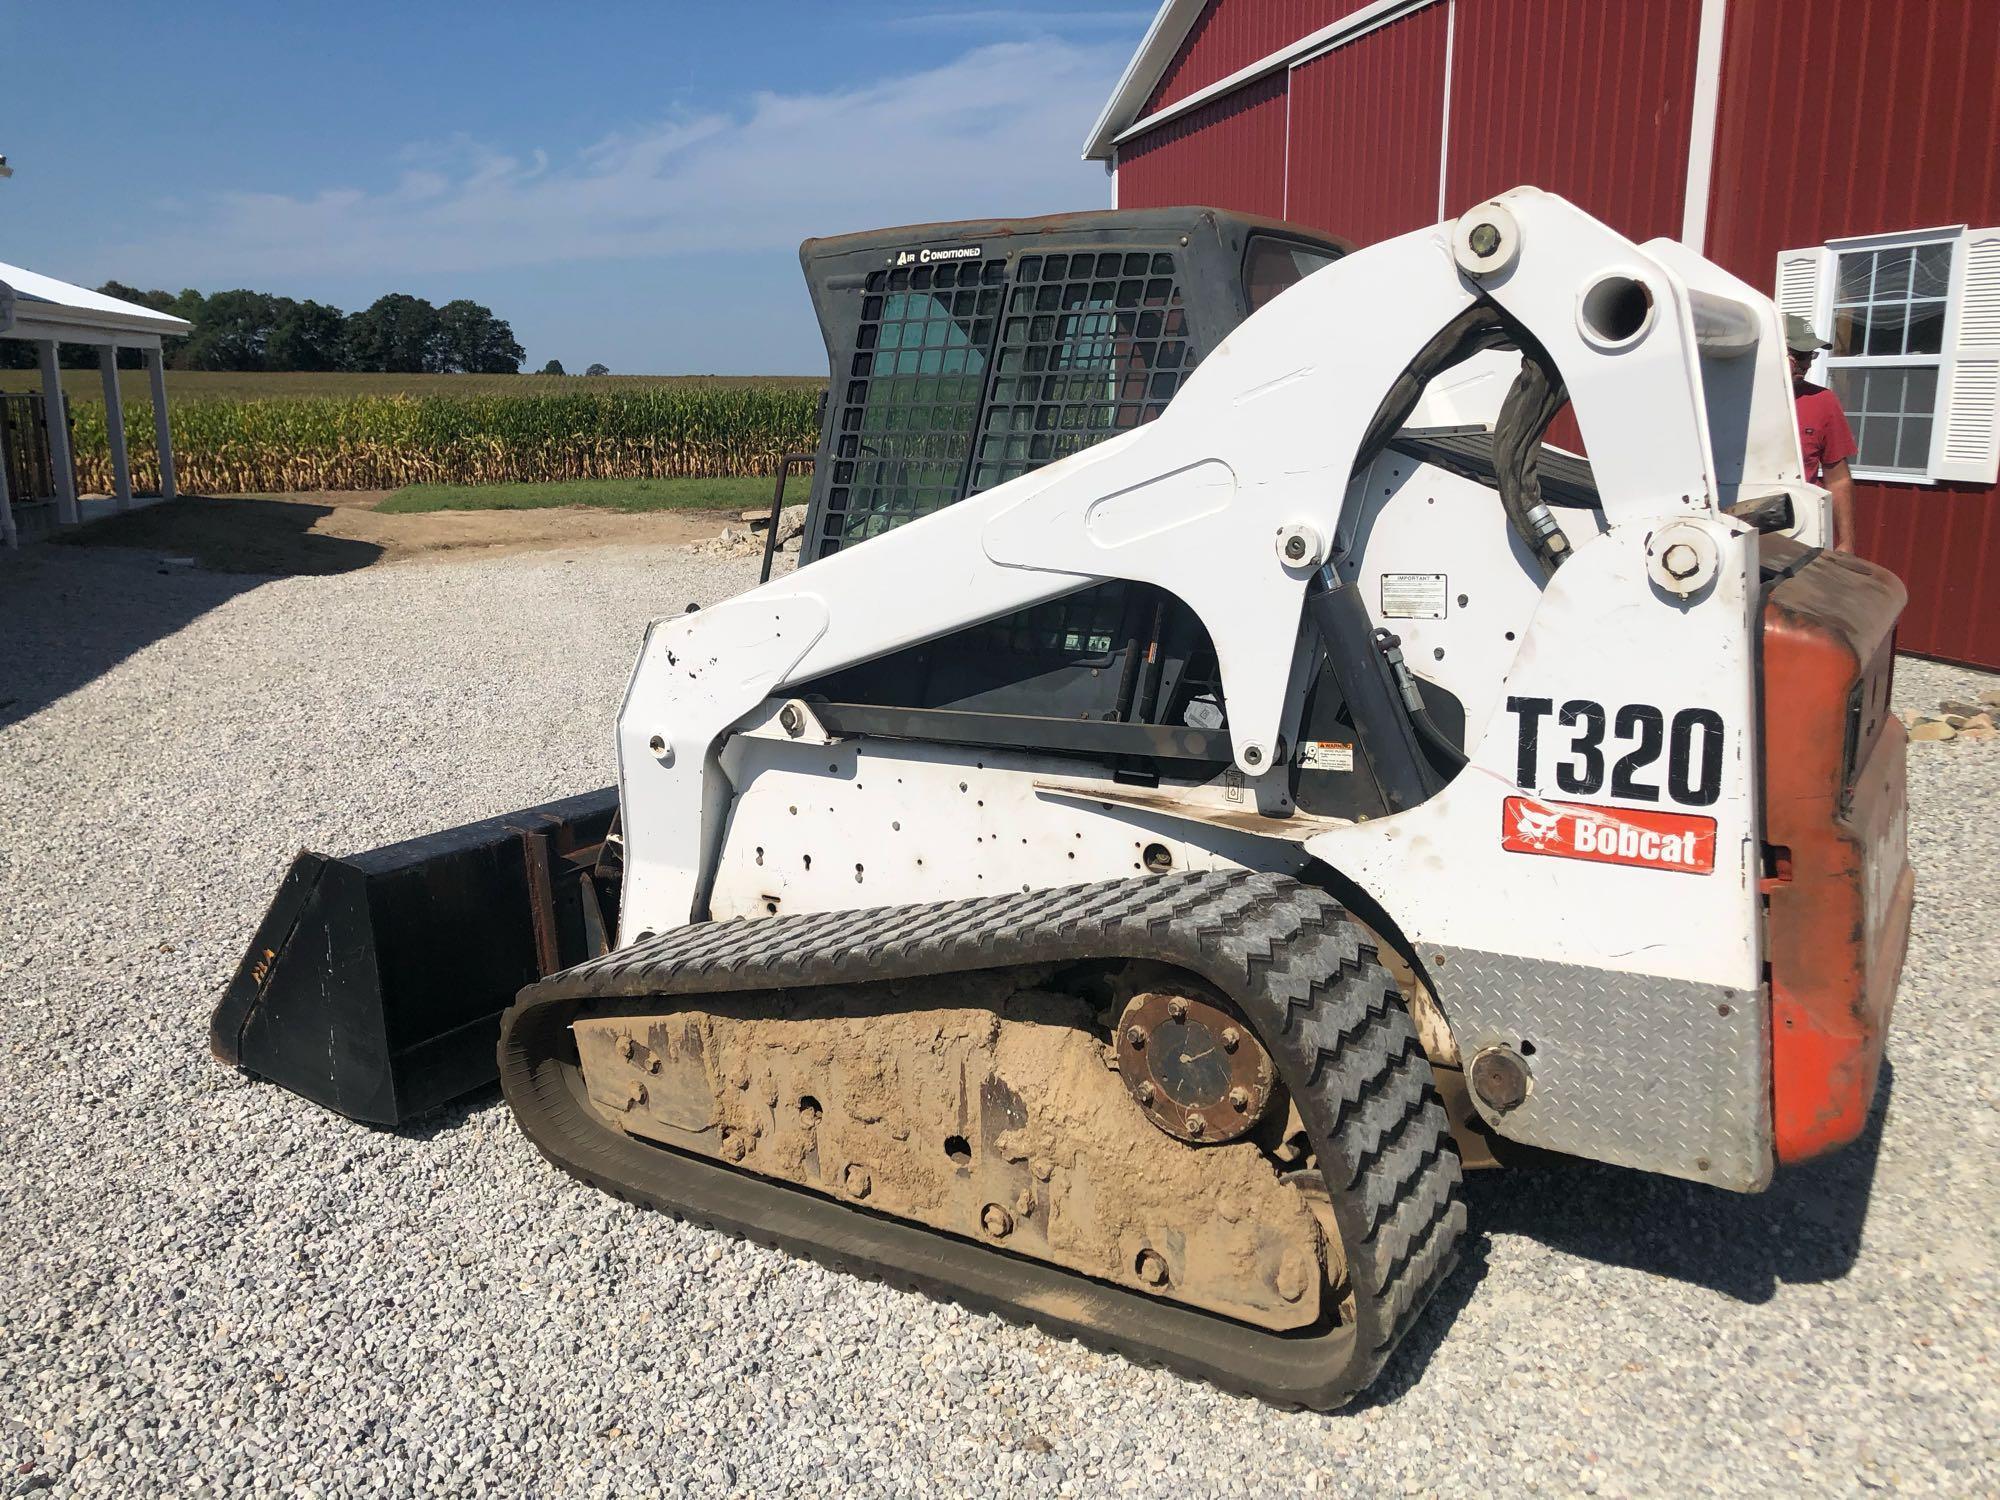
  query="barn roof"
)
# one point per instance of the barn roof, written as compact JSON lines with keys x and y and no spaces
{"x":1125,"y":113}
{"x":1171,"y":24}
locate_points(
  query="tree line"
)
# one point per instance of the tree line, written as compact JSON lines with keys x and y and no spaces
{"x":245,"y":330}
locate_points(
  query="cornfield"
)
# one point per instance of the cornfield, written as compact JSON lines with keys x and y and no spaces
{"x":384,"y":442}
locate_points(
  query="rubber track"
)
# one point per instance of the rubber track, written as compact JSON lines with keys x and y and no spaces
{"x":1283,"y":952}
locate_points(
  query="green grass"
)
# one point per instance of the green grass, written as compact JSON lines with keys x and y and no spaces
{"x":208,"y":385}
{"x":631,"y":495}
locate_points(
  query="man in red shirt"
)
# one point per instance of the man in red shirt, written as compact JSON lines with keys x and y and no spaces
{"x":1825,"y":439}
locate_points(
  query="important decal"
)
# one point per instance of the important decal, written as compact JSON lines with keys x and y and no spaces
{"x":1684,"y":842}
{"x":1415,"y":596}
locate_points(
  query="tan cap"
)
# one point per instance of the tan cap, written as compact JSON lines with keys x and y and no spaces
{"x":1799,"y":336}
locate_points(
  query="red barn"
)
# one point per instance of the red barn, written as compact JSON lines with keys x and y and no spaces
{"x":1844,"y":154}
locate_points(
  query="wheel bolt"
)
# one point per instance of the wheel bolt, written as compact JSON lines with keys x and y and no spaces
{"x":1231,"y":1039}
{"x":1177,"y":1008}
{"x":1136,"y":1035}
{"x":1196,"y":1125}
{"x":1241,"y":1099}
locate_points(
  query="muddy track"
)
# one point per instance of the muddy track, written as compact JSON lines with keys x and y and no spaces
{"x":1284,"y":954}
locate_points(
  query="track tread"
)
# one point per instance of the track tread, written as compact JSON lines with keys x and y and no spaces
{"x":1283,"y":952}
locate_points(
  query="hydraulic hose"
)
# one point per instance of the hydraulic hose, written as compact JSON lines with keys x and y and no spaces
{"x":1473,"y":330}
{"x":1410,"y":756}
{"x":1530,"y":405}
{"x":1391,"y":647}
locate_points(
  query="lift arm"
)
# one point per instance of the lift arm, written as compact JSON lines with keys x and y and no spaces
{"x":1232,"y":498}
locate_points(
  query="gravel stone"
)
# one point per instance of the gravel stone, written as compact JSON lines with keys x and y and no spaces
{"x":210,"y":1286}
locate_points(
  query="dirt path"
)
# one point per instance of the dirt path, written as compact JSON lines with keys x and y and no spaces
{"x":328,"y":532}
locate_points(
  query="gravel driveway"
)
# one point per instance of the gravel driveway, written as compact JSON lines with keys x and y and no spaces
{"x":209,"y":1285}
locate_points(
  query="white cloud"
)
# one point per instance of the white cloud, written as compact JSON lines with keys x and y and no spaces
{"x":996,"y":132}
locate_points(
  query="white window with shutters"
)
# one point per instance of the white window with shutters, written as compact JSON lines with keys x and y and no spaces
{"x":1914,"y":320}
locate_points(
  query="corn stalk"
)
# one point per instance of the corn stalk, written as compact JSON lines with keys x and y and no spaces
{"x":385,"y":442}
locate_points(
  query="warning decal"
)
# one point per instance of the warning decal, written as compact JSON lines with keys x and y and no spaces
{"x":1326,"y":755}
{"x":1609,"y":835}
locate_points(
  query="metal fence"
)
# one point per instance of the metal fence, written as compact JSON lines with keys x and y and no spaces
{"x":24,"y":447}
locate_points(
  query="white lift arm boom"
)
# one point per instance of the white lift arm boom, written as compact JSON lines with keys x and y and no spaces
{"x":1233,"y":499}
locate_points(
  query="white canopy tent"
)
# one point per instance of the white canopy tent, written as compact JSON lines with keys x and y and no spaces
{"x":41,"y":310}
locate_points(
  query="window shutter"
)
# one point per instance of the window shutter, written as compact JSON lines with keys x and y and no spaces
{"x":1805,"y":286}
{"x":1968,"y":441}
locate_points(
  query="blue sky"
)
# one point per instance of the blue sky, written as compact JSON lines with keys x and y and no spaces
{"x":624,"y":182}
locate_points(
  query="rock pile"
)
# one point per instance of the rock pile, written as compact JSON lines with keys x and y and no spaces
{"x":745,"y":538}
{"x":1959,"y":719}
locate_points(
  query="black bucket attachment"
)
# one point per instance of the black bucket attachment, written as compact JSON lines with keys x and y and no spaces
{"x":375,"y":983}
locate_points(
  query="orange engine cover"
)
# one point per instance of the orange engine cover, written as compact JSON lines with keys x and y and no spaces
{"x":1838,"y":884}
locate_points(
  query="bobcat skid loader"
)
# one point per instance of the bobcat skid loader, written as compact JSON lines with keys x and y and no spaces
{"x":1215,"y":776}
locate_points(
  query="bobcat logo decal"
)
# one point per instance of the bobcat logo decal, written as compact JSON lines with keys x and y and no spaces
{"x":1680,"y":842}
{"x":1535,"y":825}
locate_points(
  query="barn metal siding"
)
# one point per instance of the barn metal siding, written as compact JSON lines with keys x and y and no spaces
{"x":1346,"y":173}
{"x":1587,"y":99}
{"x":1583,"y":98}
{"x":1229,"y":35}
{"x":1944,"y":543}
{"x":1846,"y":117}
{"x":1227,"y":154}
{"x":1837,"y":117}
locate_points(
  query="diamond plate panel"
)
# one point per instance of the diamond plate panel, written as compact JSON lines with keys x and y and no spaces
{"x":1664,"y":1075}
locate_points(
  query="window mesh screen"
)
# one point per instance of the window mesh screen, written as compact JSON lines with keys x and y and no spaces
{"x":911,"y":405}
{"x":1093,"y":343}
{"x":1077,"y":346}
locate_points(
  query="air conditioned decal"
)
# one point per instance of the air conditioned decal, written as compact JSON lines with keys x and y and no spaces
{"x":930,"y":257}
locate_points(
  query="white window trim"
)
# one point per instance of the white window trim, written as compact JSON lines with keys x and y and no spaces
{"x":1899,"y":237}
{"x":1942,"y":362}
{"x":1824,"y":363}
